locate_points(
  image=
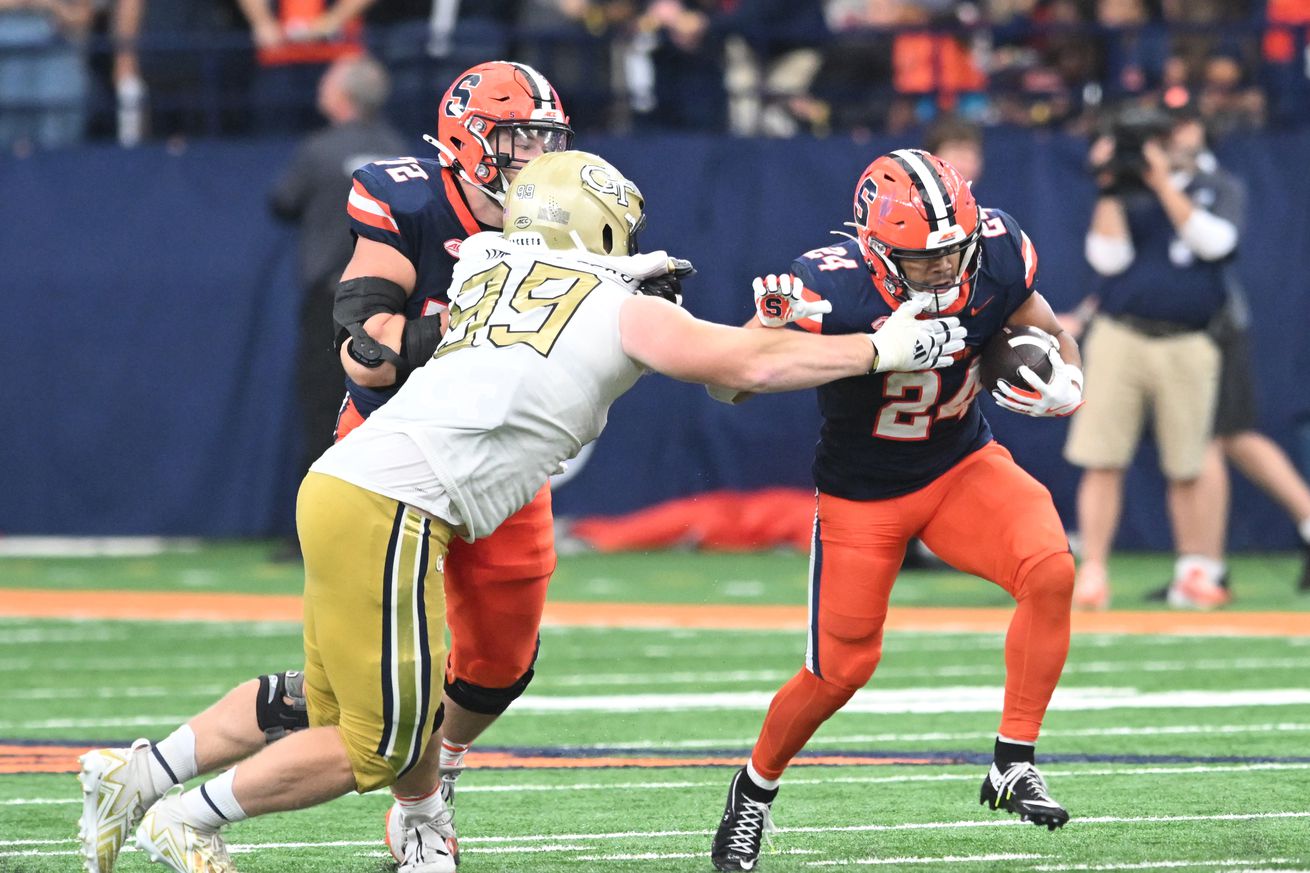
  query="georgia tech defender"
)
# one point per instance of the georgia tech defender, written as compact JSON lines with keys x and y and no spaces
{"x":549,"y":325}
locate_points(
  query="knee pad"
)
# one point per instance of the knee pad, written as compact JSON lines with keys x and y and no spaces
{"x":280,"y":706}
{"x":486,"y":701}
{"x":850,"y":649}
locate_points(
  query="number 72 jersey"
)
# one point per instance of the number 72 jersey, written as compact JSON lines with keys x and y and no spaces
{"x":888,"y":434}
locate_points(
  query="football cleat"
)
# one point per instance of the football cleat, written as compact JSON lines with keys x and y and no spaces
{"x":1304,"y":585}
{"x":428,"y":844}
{"x":168,"y":838}
{"x":117,"y":789}
{"x":744,"y":824}
{"x":1020,"y":789}
{"x":399,"y":836}
{"x":1195,"y":590}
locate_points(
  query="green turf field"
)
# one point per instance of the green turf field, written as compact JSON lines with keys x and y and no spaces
{"x":1171,"y":752}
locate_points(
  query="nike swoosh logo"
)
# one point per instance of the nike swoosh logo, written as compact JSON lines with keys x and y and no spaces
{"x":974,"y":310}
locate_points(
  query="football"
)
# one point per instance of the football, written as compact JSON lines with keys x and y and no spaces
{"x":1016,"y":347}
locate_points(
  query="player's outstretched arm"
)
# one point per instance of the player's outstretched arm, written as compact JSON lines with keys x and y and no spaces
{"x":671,"y":341}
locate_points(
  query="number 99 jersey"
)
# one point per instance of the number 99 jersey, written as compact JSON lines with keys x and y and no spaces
{"x":888,"y":434}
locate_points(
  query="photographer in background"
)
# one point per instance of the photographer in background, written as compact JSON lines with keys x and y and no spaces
{"x":1163,"y":235}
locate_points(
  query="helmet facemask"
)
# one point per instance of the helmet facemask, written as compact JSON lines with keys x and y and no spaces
{"x":936,"y":297}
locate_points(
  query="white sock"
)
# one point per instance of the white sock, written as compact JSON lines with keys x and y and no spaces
{"x":451,"y":761}
{"x":754,"y":776}
{"x":213,"y":804}
{"x":173,"y":760}
{"x":1006,"y":739}
{"x":1212,"y":569}
{"x":1304,"y":530}
{"x":422,"y":807}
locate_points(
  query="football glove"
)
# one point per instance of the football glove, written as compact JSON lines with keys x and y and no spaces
{"x":668,"y":285}
{"x":906,"y":343}
{"x":1060,"y":395}
{"x":778,"y":300}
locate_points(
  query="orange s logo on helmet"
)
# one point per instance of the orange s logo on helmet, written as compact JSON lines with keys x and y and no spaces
{"x":912,"y":205}
{"x":496,"y":117}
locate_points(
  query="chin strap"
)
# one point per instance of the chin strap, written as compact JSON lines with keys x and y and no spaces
{"x":449,"y":160}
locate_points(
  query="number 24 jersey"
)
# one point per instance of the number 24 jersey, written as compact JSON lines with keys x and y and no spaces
{"x":888,"y":434}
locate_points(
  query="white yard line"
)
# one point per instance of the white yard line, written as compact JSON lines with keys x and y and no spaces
{"x":530,"y":839}
{"x":959,"y":736}
{"x":1155,"y":865}
{"x":924,"y":859}
{"x":882,"y":701}
{"x":793,"y":781}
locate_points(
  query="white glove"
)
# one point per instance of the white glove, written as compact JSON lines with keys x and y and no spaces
{"x":778,"y":300}
{"x":906,"y":343}
{"x":1060,"y":396}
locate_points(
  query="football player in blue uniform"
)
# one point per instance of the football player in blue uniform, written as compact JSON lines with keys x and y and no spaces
{"x":909,"y":454}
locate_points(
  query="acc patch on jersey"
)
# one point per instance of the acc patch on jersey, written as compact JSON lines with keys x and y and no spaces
{"x":452,"y":247}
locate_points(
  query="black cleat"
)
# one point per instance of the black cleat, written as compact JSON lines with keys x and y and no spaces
{"x":1022,"y":790}
{"x":744,"y":823}
{"x":1304,"y":585}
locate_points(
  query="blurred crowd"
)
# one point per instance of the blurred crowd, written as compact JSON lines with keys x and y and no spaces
{"x":137,"y":69}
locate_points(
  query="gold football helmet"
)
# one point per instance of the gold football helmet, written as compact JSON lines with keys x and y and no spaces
{"x":575,"y":200}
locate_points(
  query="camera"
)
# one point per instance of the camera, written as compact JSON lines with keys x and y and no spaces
{"x":1131,"y":129}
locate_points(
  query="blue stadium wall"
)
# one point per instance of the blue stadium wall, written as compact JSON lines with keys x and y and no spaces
{"x":149,"y":327}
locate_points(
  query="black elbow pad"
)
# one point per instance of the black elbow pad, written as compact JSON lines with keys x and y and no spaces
{"x":358,"y":300}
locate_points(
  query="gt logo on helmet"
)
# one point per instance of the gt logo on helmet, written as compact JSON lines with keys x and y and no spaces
{"x":597,"y":179}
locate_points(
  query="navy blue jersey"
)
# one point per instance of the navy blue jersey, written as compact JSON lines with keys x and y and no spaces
{"x":888,"y":434}
{"x":417,"y":208}
{"x":1166,"y":281}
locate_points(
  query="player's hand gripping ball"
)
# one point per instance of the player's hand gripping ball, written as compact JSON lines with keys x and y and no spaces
{"x":1023,"y":370}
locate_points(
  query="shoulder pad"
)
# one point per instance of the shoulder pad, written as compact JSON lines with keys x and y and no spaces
{"x":403,"y":185}
{"x":1008,"y":254}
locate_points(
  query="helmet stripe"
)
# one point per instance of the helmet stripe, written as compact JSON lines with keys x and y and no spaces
{"x":540,"y":89}
{"x":931,"y":189}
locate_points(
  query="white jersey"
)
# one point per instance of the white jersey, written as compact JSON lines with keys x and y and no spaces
{"x":522,"y":380}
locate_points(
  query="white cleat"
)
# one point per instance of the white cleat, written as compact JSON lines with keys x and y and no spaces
{"x":116,"y":792}
{"x":423,"y":845}
{"x":168,"y":838}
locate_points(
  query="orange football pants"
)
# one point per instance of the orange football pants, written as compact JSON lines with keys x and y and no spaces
{"x":495,"y":589}
{"x":985,"y":516}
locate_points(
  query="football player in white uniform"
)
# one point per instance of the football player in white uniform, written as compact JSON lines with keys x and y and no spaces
{"x":550,"y":322}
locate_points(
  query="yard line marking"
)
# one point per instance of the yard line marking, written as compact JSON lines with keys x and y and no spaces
{"x":842,"y":739}
{"x":1213,"y":665}
{"x":884,"y":701}
{"x":1149,"y":865}
{"x":677,"y":856}
{"x":977,"y":859}
{"x":700,"y":832}
{"x":202,"y":691}
{"x":921,"y":700}
{"x":84,"y":665}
